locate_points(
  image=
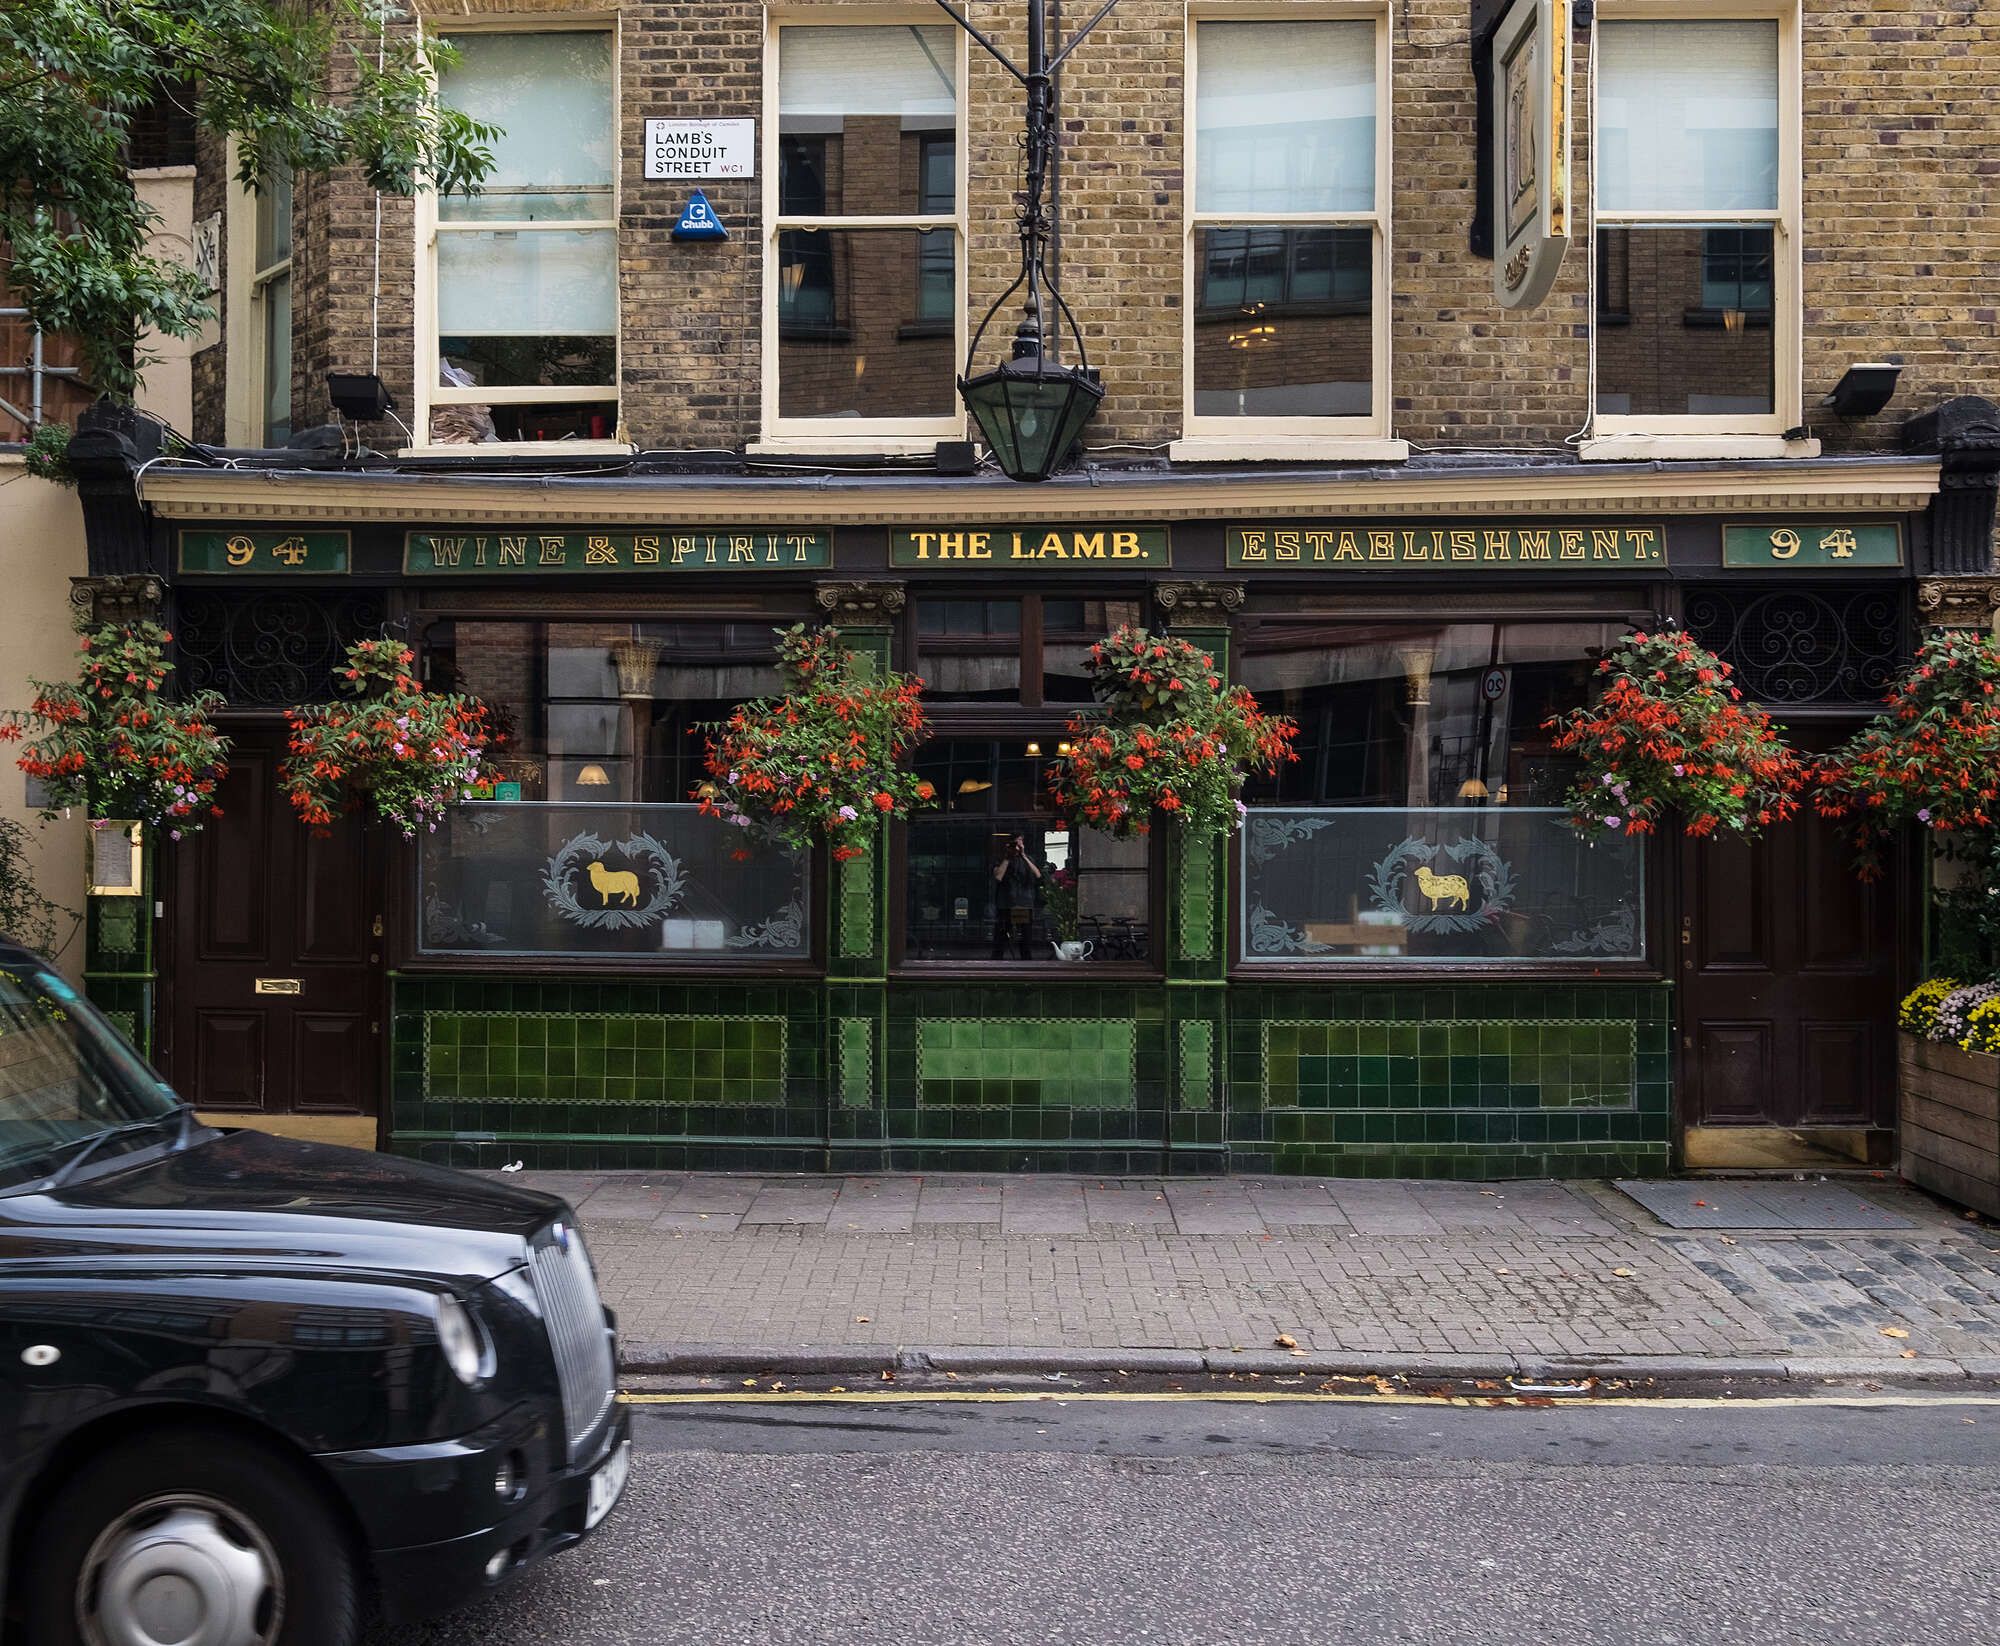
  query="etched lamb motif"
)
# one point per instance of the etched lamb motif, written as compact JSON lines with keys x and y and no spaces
{"x":611,"y":884}
{"x":1443,"y":888}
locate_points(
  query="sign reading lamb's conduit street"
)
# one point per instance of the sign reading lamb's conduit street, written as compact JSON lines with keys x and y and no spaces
{"x":527,"y":553}
{"x":1339,"y":547}
{"x":696,"y":150}
{"x":1049,"y":547}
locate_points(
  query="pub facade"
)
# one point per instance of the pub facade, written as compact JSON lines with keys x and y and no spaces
{"x":619,"y":462}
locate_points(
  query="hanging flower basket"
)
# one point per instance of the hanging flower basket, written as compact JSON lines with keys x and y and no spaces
{"x":1931,"y":757}
{"x":1170,"y":740}
{"x":110,"y":744}
{"x":1670,"y":735}
{"x":393,"y":747}
{"x":823,"y":760}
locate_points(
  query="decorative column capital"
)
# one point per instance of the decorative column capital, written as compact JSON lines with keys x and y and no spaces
{"x":1960,"y":603}
{"x":1198,"y":605}
{"x":133,"y":597}
{"x":864,"y":604}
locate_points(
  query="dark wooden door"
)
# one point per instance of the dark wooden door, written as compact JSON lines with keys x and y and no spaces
{"x":1788,"y":983}
{"x":275,"y":944}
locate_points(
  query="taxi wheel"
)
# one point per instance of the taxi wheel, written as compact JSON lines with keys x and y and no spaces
{"x":190,"y":1538}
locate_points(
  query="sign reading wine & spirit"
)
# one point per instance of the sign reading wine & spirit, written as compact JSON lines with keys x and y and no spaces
{"x":1086,"y":548}
{"x":528,"y":553}
{"x":1558,"y":546}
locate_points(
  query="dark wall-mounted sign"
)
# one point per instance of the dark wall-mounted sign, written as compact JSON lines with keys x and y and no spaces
{"x":206,"y":552}
{"x":1364,"y":547}
{"x":1817,"y":543}
{"x":548,"y":554}
{"x":1059,"y":548}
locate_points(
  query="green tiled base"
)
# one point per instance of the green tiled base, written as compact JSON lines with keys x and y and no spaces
{"x":1073,"y":1063}
{"x":604,"y":1058}
{"x":1486,"y":1080}
{"x":1486,"y":1064}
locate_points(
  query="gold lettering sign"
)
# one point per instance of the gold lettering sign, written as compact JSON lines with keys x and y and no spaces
{"x":518,"y":551}
{"x":1338,"y":546}
{"x":1823,"y":545}
{"x":1046,"y":548}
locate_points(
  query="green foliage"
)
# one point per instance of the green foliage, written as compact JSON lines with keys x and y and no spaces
{"x":1668,"y":736}
{"x":47,"y":454}
{"x":1170,"y":739}
{"x":390,"y":745}
{"x":110,"y":742}
{"x":25,"y":914}
{"x":824,"y":760}
{"x":337,"y":83}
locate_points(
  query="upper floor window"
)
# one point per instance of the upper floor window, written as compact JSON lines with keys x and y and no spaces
{"x":865,"y":209}
{"x":523,"y":340}
{"x":270,"y":298}
{"x":1697,"y":290}
{"x":1287,"y":321}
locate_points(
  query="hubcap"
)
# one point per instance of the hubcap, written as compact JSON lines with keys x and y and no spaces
{"x":182,"y":1570}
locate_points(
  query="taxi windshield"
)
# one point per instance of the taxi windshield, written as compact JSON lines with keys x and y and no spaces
{"x":65,"y":1076}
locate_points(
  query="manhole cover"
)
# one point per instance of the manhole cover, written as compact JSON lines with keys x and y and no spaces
{"x":1730,"y":1204}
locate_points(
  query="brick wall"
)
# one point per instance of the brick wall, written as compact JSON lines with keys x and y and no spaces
{"x":1901,"y":240}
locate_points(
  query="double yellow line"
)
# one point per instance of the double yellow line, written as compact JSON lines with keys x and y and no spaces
{"x":1276,"y":1397}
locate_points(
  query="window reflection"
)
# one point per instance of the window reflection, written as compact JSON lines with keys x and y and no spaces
{"x":1408,"y":715}
{"x":599,"y":712}
{"x":992,"y":877}
{"x":1684,"y":322}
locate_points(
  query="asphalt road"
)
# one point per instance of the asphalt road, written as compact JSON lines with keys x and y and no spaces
{"x":1196,"y":1522}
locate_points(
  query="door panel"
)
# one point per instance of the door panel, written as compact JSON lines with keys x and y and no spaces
{"x":233,"y":908}
{"x":329,"y":1054}
{"x":229,"y":1059}
{"x":1837,"y":1066}
{"x":1736,"y":1061}
{"x":273,"y":961}
{"x":1788,"y":973}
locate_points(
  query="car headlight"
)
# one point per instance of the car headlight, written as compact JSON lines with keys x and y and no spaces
{"x":464,"y":1350}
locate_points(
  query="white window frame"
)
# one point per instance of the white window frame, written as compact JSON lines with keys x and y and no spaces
{"x":889,"y":436}
{"x":246,"y":358}
{"x":1616,"y":436}
{"x":428,"y":393}
{"x":1367,"y":438}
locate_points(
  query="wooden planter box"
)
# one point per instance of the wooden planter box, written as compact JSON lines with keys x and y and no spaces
{"x":1950,"y":1121}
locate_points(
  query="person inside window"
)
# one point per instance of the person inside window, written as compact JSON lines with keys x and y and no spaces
{"x":1016,"y":884}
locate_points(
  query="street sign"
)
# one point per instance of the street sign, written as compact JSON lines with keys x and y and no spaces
{"x":698,"y":220}
{"x":693,"y":150}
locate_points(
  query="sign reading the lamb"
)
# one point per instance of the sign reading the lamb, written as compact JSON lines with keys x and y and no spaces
{"x":698,"y":149}
{"x":528,"y":553}
{"x":1084,"y":548}
{"x":1366,"y":546}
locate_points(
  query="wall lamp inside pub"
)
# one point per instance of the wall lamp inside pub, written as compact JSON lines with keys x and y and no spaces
{"x":1863,"y":389}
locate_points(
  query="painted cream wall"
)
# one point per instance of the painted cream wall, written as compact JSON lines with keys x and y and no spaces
{"x":41,"y":549}
{"x":168,"y":389}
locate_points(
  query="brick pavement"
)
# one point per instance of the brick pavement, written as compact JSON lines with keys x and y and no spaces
{"x":1540,"y":1272}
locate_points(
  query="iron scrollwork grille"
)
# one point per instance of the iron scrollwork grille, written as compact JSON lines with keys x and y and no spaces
{"x":274,"y":648}
{"x":1800,"y":646}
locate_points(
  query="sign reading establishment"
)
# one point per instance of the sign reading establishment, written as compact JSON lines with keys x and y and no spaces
{"x":1084,"y":548}
{"x":529,"y":553}
{"x":1352,"y":547}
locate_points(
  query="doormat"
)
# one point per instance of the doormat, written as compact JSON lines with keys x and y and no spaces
{"x":1732,"y":1204}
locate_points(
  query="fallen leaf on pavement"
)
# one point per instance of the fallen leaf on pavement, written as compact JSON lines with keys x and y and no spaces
{"x":1300,"y":1353}
{"x":838,"y":1389}
{"x":1701,"y":1202}
{"x":1894,"y":1331}
{"x":1485,"y":1383}
{"x":888,"y":1377}
{"x":1623,"y":1274}
{"x":1727,"y":1240}
{"x":1909,"y":1354}
{"x":1285,"y":1340}
{"x":749,"y":1383}
{"x":1503,"y":1271}
{"x":861,"y":1320}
